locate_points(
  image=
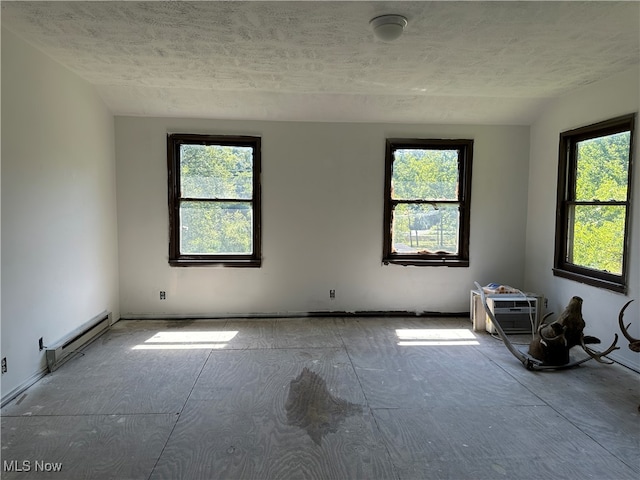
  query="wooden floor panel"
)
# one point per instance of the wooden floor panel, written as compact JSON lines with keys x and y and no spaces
{"x":137,"y":386}
{"x":85,"y":446}
{"x":320,"y":398}
{"x":211,"y":442}
{"x":505,"y":442}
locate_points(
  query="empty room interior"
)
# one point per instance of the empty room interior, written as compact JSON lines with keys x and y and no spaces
{"x":320,"y":240}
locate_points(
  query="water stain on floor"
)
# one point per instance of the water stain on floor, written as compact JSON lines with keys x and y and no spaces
{"x":313,"y":408}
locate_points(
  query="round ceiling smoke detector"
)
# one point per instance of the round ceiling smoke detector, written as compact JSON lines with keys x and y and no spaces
{"x":388,"y":27}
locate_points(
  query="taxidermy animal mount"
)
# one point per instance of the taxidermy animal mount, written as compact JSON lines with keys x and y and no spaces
{"x":552,"y":342}
{"x":549,"y":349}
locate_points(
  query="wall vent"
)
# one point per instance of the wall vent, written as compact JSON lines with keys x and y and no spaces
{"x":65,"y":349}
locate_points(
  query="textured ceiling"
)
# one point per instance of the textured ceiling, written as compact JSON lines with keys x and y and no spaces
{"x":458,"y":62}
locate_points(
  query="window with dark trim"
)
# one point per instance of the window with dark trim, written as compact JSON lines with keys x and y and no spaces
{"x":594,"y":203}
{"x":214,"y":200}
{"x":427,"y":202}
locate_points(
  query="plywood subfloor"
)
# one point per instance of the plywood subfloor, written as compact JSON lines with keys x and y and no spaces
{"x":319,"y":398}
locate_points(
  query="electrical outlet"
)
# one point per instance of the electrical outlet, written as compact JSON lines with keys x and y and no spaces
{"x":40,"y":344}
{"x":332,"y":294}
{"x":4,"y":364}
{"x":163,"y":295}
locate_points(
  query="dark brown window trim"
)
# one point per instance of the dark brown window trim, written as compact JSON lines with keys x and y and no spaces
{"x":566,"y":185}
{"x":465,"y":146}
{"x":419,"y":261}
{"x":173,"y":164}
{"x":589,"y":279}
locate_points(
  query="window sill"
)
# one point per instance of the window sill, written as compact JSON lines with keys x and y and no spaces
{"x":193,"y":262}
{"x":588,"y":280}
{"x":425,"y":262}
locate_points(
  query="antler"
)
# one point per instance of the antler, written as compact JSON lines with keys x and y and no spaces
{"x":550,"y":339}
{"x":597,"y":356}
{"x":634,"y":343}
{"x":542,"y":324}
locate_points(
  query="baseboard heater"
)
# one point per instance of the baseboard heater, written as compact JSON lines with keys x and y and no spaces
{"x":65,"y":349}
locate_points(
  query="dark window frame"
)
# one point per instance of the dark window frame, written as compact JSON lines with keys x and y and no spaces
{"x":465,"y":162}
{"x":176,"y":258}
{"x":567,"y":173}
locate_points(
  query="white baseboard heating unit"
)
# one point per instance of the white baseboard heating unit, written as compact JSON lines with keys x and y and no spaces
{"x":64,"y":349}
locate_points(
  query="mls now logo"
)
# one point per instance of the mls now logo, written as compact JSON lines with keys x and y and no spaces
{"x":28,"y":466}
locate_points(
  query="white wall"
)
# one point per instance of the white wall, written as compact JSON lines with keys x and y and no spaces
{"x":59,"y":229}
{"x":322,"y":186}
{"x":607,"y":99}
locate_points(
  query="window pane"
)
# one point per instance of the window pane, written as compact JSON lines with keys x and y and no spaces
{"x":602,"y":168}
{"x":597,"y":239}
{"x":216,"y":228}
{"x":216,"y":171}
{"x":425,"y":174}
{"x":425,"y":228}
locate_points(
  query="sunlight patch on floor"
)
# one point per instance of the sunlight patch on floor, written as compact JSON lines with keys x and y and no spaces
{"x":188,"y":340}
{"x":408,"y":337}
